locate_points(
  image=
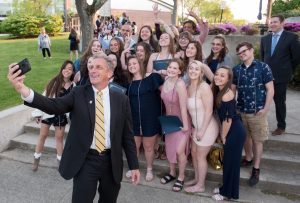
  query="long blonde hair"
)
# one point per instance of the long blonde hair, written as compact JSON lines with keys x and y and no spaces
{"x":200,"y":65}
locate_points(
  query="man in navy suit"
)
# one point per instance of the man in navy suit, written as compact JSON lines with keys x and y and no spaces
{"x":281,"y":51}
{"x":80,"y":159}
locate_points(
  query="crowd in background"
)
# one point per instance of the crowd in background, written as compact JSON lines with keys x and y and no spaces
{"x":165,"y":72}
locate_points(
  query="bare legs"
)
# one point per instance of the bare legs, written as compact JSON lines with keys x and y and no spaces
{"x":199,"y":154}
{"x":148,"y":144}
{"x":253,"y":149}
{"x":73,"y":52}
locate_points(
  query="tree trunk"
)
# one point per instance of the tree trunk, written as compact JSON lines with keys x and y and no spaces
{"x":86,"y":15}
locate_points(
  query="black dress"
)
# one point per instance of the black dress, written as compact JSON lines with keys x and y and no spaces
{"x":73,"y":42}
{"x":145,"y":105}
{"x":232,"y":150}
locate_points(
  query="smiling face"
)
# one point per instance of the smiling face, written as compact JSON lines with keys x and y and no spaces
{"x":145,"y":34}
{"x":99,"y":72}
{"x":173,"y":70}
{"x":114,"y":46}
{"x":140,"y":53}
{"x":113,"y":58}
{"x":96,"y":47}
{"x":217,"y":46}
{"x":67,"y":71}
{"x":189,"y":28}
{"x":221,"y":77}
{"x":134,"y":66}
{"x":195,"y":72}
{"x":164,"y":40}
{"x":275,"y":25}
{"x":245,"y":53}
{"x":183,"y":41}
{"x":191,"y":50}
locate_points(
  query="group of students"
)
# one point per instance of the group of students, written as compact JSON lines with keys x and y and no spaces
{"x":199,"y":90}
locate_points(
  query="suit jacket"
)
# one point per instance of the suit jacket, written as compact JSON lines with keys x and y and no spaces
{"x":81,"y":103}
{"x":285,"y":58}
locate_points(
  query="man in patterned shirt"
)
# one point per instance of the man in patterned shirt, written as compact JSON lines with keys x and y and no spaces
{"x":253,"y":81}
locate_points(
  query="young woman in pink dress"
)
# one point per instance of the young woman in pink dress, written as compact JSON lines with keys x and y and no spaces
{"x":205,"y":131}
{"x":174,"y":95}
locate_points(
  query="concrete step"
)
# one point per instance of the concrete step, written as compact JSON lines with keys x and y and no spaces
{"x":287,"y":142}
{"x":29,"y":141}
{"x":247,"y":194}
{"x":34,"y":128}
{"x":281,"y":160}
{"x":271,"y":179}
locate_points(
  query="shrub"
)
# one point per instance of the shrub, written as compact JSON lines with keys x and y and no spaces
{"x":292,"y":27}
{"x":248,"y":30}
{"x":224,"y":29}
{"x":24,"y":25}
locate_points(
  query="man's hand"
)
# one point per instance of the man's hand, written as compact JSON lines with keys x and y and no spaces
{"x":262,"y":112}
{"x":16,"y":80}
{"x":135,"y":176}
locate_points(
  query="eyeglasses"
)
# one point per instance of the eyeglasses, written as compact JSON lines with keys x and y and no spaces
{"x":183,"y":38}
{"x":242,"y":52}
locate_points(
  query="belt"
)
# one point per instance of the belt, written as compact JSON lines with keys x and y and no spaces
{"x":104,"y":152}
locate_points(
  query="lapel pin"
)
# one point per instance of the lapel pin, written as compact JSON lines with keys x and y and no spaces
{"x":91,"y":101}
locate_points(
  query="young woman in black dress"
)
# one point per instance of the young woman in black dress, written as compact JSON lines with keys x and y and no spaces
{"x":232,"y":134}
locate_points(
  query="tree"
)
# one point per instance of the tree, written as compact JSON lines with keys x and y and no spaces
{"x":287,"y":8}
{"x":36,"y":7}
{"x":209,"y":9}
{"x":86,"y":15}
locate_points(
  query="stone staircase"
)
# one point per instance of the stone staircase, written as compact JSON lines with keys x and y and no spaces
{"x":280,"y":166}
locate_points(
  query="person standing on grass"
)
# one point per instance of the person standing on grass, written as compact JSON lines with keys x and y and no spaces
{"x":74,"y":41}
{"x":44,"y":43}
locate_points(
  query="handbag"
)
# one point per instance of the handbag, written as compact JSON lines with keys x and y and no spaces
{"x":215,"y":156}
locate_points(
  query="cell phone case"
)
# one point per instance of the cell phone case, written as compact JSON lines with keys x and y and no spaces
{"x":24,"y":66}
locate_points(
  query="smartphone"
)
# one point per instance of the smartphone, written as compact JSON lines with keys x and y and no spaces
{"x":24,"y":66}
{"x":132,"y":51}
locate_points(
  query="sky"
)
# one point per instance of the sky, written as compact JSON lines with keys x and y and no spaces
{"x":241,"y":9}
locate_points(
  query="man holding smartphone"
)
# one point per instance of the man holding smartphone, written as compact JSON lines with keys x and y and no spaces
{"x":101,"y":128}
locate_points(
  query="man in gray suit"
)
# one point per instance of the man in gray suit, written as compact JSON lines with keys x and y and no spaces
{"x":281,"y":51}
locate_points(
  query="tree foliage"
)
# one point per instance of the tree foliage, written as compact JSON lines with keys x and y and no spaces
{"x":209,"y":9}
{"x":288,"y":8}
{"x":28,"y":25}
{"x":31,"y":7}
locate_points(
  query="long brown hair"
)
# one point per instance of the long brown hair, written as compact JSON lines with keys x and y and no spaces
{"x":222,"y":53}
{"x":57,"y":83}
{"x":142,"y":70}
{"x":198,"y":57}
{"x":171,"y":45}
{"x":120,"y":43}
{"x":147,"y":50}
{"x":153,"y":43}
{"x":84,"y":59}
{"x":216,"y":91}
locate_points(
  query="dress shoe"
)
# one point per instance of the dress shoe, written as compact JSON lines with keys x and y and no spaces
{"x":36,"y":164}
{"x":278,"y":131}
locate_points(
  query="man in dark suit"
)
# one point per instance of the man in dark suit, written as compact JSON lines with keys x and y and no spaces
{"x":81,"y":159}
{"x":281,"y":51}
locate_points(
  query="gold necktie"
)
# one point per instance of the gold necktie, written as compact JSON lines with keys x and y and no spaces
{"x":99,"y":125}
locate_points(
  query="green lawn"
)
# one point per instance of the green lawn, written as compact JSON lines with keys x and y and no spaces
{"x":14,"y":50}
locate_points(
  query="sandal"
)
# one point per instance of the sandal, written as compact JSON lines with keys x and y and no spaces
{"x":178,"y":185}
{"x":166,"y":179}
{"x":216,"y":190}
{"x":149,"y":175}
{"x":218,"y":197}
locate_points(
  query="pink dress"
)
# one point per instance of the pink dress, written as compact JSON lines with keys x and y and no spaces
{"x":212,"y":129}
{"x":172,"y":140}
